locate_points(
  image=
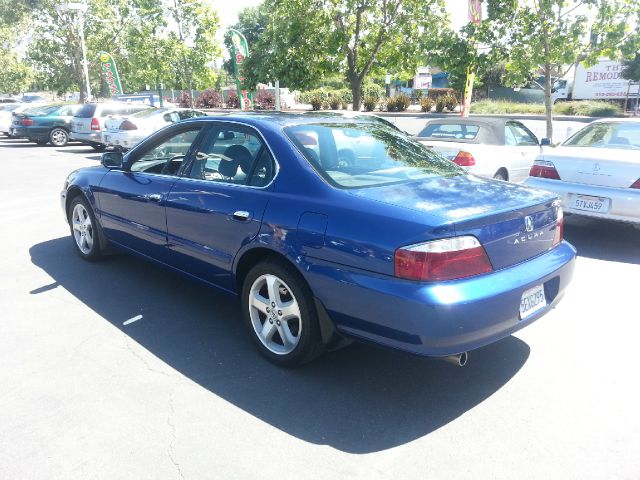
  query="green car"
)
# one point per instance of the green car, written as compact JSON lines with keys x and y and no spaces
{"x":45,"y":124}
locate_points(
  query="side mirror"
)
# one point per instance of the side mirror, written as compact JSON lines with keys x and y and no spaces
{"x":545,"y":142}
{"x":111,"y":160}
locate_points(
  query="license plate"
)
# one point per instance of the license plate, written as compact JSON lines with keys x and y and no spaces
{"x":532,"y":300}
{"x":590,"y":204}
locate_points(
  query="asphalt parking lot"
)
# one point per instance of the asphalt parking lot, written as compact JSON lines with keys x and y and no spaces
{"x":181,"y":392}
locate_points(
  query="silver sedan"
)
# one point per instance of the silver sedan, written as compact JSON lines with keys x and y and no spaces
{"x":596,"y":171}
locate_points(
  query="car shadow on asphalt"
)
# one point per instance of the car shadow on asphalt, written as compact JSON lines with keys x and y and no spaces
{"x":360,"y":399}
{"x":603,"y":239}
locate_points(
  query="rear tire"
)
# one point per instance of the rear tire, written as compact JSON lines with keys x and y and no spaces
{"x":278,"y":310}
{"x":58,"y":137}
{"x":501,"y":175}
{"x":98,"y":147}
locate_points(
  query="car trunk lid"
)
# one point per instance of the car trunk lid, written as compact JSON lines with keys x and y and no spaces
{"x":513,"y":223}
{"x":607,"y":167}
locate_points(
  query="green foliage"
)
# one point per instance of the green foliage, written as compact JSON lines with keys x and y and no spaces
{"x":151,"y":42}
{"x":435,"y":93}
{"x":372,"y":90}
{"x":370,"y":103}
{"x":334,"y":102}
{"x":317,"y":101}
{"x":399,"y":103}
{"x":306,"y":39}
{"x":588,"y":109}
{"x":426,"y":104}
{"x":631,"y":69}
{"x":15,"y":75}
{"x":584,"y":108}
{"x":441,"y":103}
{"x":451,"y":102}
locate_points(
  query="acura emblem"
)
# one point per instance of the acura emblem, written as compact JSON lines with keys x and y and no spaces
{"x":528,"y":223}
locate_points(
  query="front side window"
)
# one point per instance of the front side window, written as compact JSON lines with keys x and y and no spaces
{"x":521,"y":134}
{"x":364,"y":155}
{"x":167,"y":156}
{"x":234,"y":155}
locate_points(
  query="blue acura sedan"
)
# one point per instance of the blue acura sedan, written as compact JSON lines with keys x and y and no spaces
{"x":329,"y":229}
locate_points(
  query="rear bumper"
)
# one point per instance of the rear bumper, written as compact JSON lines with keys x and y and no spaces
{"x":438,"y":319}
{"x":120,"y":139}
{"x":93,"y":137}
{"x":624,"y":205}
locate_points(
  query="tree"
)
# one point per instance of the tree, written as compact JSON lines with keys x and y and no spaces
{"x":631,"y":69}
{"x":252,"y":22}
{"x":557,"y":34}
{"x":151,"y":41}
{"x":15,"y":75}
{"x":306,"y":39}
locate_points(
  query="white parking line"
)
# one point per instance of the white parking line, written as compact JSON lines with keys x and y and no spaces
{"x":131,"y":320}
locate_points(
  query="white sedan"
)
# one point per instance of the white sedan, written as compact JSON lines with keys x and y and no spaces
{"x":596,"y":171}
{"x":499,"y":148}
{"x":125,"y":133}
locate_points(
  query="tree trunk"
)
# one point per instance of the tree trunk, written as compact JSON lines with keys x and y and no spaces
{"x":548,"y":106}
{"x":356,"y":92}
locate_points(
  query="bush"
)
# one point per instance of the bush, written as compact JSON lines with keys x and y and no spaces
{"x":232,"y":100}
{"x":370,"y":103}
{"x":184,"y":100}
{"x":426,"y":104}
{"x":440,"y":104}
{"x":317,"y":101}
{"x":588,"y":109}
{"x":372,"y":90}
{"x":451,"y":102}
{"x":210,"y":98}
{"x":335,"y":102}
{"x":399,"y":103}
{"x":264,"y":100}
{"x":435,"y":93}
{"x":345,"y":96}
{"x":501,"y":107}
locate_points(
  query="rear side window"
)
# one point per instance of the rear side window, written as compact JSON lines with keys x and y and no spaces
{"x":450,"y":131}
{"x":86,"y":111}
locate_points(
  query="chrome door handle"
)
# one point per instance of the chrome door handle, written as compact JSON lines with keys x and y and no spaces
{"x":154,"y":197}
{"x":241,"y":215}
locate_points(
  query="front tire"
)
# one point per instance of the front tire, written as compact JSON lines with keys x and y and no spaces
{"x":58,"y":137}
{"x":279,"y":312}
{"x":84,"y":229}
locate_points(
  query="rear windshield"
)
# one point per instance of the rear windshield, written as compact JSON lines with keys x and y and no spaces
{"x":607,"y":135}
{"x":86,"y":111}
{"x":450,"y":131}
{"x":356,"y":155}
{"x":148,"y":112}
{"x":44,"y":110}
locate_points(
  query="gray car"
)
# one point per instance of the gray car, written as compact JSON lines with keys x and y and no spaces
{"x":87,"y":125}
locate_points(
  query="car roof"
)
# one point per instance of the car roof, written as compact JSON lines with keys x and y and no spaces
{"x":279,"y":119}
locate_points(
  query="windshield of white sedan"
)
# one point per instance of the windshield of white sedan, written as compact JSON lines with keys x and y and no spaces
{"x":607,"y":135}
{"x":364,"y":155}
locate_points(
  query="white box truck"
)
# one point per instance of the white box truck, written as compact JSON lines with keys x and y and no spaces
{"x":602,"y":81}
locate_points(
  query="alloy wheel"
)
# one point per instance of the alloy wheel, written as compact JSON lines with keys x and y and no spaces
{"x":59,"y":137}
{"x":275,"y":314}
{"x":82,"y":229}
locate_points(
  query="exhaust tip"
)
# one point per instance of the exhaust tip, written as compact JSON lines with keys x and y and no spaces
{"x":459,"y":360}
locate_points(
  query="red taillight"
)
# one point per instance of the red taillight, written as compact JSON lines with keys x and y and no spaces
{"x":464,"y":159}
{"x":127,"y":125}
{"x":559,"y":232}
{"x":544,"y":169}
{"x":26,"y":122}
{"x":446,"y":259}
{"x":95,"y":125}
{"x":636,"y":184}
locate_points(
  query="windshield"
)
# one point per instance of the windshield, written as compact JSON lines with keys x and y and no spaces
{"x":46,"y":110}
{"x":148,"y":112}
{"x":450,"y":131}
{"x":366,"y":154}
{"x":607,"y":135}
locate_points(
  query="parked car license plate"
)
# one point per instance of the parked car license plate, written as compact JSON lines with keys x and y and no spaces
{"x":532,"y":300}
{"x":590,"y":204}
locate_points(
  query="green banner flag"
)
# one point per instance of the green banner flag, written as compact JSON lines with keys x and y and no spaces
{"x":110,"y":73}
{"x":239,"y":51}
